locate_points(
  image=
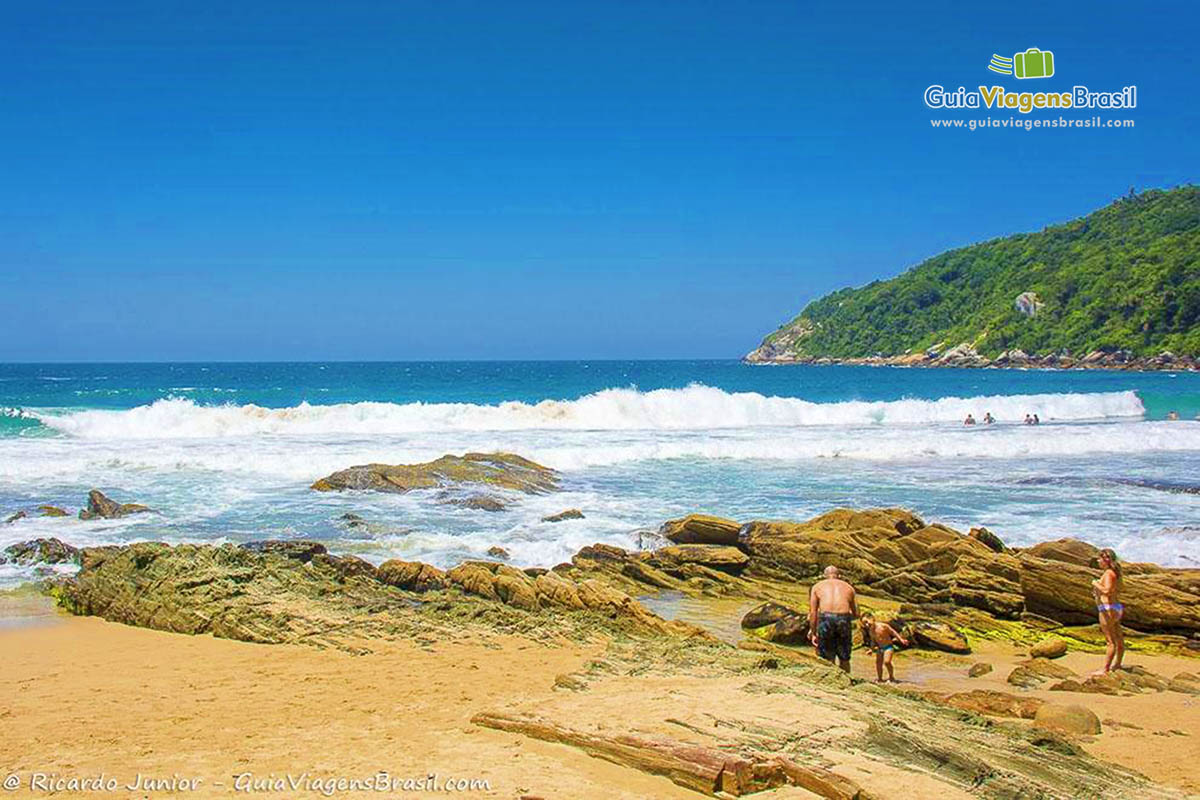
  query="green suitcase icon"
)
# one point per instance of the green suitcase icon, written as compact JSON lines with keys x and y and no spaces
{"x":1033,"y":63}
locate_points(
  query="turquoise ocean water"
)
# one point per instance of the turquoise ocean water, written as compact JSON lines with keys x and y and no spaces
{"x":225,"y":452}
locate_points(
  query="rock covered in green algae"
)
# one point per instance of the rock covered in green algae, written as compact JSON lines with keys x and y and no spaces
{"x":99,"y":506}
{"x":40,"y":551}
{"x":496,"y":470}
{"x":51,"y":511}
{"x":701,"y":529}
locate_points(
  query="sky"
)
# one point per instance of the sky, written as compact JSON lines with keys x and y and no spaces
{"x":479,"y":180}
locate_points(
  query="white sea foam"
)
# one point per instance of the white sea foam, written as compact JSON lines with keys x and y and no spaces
{"x":696,"y":407}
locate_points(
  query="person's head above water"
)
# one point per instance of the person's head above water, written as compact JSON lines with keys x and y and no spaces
{"x":831,"y":571}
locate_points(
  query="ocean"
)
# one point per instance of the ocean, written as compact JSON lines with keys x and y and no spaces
{"x":226,"y":452}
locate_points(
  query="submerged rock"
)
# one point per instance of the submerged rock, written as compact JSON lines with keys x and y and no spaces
{"x":52,"y":511}
{"x":562,"y":516}
{"x":15,"y":516}
{"x":496,"y":551}
{"x":101,"y":507}
{"x":478,"y":502}
{"x":498,"y":470}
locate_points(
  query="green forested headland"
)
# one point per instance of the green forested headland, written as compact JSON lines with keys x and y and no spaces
{"x":1125,"y":277}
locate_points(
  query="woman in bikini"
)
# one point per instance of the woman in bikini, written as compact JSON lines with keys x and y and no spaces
{"x":1107,"y":591}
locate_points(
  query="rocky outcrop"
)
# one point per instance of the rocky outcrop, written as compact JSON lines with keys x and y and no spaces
{"x":412,"y":576}
{"x":701,"y":529}
{"x":40,"y":551}
{"x":295,"y":592}
{"x":563,"y":516}
{"x":99,"y":506}
{"x":494,"y":470}
{"x":1161,"y":600}
{"x":964,"y":356}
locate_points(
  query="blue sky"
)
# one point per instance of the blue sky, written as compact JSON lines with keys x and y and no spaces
{"x":404,"y":180}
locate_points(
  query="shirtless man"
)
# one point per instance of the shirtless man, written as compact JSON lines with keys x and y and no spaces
{"x":832,"y":609}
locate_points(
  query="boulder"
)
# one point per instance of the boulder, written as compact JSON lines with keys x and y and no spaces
{"x":701,"y":529}
{"x":938,"y":636}
{"x":496,"y":470}
{"x":1052,"y":647}
{"x":412,"y":576}
{"x":1069,"y":719}
{"x":101,"y":507}
{"x":496,"y":551}
{"x":979,"y":669}
{"x":562,"y":516}
{"x":767,"y":614}
{"x":301,"y":550}
{"x":718,"y":557}
{"x":791,"y":630}
{"x":41,"y":551}
{"x":15,"y":516}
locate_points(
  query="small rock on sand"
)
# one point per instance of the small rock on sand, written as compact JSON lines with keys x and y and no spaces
{"x":1053,"y":647}
{"x":979,"y":669}
{"x":1072,"y":719}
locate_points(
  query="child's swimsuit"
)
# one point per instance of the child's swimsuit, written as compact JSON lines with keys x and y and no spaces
{"x":1118,"y":608}
{"x":886,"y":647}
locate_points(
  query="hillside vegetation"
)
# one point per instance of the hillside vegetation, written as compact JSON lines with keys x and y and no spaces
{"x":1126,"y":277}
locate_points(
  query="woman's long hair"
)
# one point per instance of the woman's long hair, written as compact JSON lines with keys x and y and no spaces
{"x":1112,"y":561}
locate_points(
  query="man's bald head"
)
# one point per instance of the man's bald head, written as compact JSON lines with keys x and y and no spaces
{"x":831,"y":571}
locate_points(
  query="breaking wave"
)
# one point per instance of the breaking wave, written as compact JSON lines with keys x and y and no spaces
{"x":695,"y":407}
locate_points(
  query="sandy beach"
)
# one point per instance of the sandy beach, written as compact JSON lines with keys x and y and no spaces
{"x":84,"y":697}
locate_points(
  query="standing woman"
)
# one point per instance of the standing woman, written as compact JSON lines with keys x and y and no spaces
{"x":1107,"y":591}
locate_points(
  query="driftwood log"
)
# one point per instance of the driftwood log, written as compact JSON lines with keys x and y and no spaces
{"x":703,"y":769}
